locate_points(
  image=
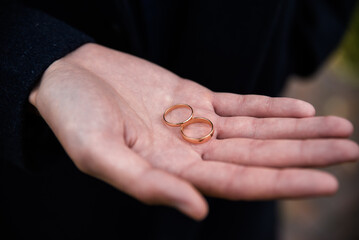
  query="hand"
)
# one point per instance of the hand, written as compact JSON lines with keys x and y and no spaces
{"x":105,"y":107}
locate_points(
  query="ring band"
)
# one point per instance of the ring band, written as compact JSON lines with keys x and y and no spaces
{"x":170,"y":109}
{"x":201,"y":139}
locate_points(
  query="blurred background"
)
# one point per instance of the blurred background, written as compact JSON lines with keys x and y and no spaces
{"x":334,"y":90}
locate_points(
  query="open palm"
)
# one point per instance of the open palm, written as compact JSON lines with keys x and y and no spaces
{"x":105,"y":107}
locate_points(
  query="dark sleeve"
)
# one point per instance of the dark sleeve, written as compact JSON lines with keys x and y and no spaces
{"x":318,"y":29}
{"x":30,"y":41}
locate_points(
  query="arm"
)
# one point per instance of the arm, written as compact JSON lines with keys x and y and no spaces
{"x":105,"y":108}
{"x":29,"y":42}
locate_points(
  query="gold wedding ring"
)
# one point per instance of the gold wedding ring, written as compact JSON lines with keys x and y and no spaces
{"x":170,"y":109}
{"x":190,"y":120}
{"x":201,"y":139}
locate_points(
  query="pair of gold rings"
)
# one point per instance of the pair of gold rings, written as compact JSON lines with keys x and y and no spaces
{"x":188,"y":122}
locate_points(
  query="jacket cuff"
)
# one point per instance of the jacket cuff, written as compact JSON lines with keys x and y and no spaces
{"x":30,"y":41}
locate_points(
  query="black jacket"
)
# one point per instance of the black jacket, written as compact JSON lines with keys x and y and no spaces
{"x":234,"y":46}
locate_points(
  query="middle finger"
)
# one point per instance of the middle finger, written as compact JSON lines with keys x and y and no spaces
{"x":283,"y":128}
{"x":281,"y":153}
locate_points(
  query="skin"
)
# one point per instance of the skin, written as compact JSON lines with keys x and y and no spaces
{"x":105,"y":107}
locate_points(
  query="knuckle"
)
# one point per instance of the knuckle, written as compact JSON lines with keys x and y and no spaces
{"x":145,"y":190}
{"x":268,"y":104}
{"x":254,"y":124}
{"x":85,"y":158}
{"x":148,"y":197}
{"x":84,"y":164}
{"x":146,"y":194}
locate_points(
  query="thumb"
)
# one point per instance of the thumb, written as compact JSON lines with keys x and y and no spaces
{"x":130,"y":173}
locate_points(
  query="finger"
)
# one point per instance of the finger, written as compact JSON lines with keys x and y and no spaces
{"x":252,"y":183}
{"x":128,"y":172}
{"x":229,"y":104}
{"x":283,"y":128}
{"x":282,"y":153}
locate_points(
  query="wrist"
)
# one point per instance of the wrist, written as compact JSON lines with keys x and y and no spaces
{"x":75,"y":58}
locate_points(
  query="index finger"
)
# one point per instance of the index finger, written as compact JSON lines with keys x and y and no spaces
{"x":229,"y":105}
